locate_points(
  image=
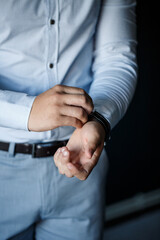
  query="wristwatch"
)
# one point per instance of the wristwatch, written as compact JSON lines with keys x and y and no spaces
{"x":96,"y":116}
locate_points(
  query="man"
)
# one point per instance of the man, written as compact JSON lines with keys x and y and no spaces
{"x":67,"y":71}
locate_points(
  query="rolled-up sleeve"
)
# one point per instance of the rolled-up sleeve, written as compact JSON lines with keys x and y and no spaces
{"x":15,"y":108}
{"x":114,"y":59}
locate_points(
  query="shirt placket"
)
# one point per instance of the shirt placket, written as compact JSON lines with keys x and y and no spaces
{"x":53,"y":35}
{"x":53,"y":43}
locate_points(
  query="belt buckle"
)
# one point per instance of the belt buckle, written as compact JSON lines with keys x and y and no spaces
{"x":33,"y":150}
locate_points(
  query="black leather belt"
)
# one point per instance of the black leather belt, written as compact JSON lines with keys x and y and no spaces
{"x":37,"y":150}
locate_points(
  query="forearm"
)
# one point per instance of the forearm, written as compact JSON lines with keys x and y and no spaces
{"x":114,"y":85}
{"x":114,"y":66}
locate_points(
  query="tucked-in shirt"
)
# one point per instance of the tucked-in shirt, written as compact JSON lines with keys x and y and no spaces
{"x":90,"y":44}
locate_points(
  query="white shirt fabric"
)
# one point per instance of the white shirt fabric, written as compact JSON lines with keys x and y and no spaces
{"x":92,"y":45}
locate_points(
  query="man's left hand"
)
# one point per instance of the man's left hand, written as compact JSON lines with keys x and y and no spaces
{"x":82,"y":151}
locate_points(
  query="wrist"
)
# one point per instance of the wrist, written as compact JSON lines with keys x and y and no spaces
{"x":99,"y":128}
{"x":97,"y":117}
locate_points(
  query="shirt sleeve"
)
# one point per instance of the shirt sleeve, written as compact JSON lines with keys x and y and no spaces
{"x":15,"y":108}
{"x":114,"y":59}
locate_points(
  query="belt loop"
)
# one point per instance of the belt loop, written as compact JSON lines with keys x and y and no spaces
{"x":11,"y":149}
{"x":33,"y":150}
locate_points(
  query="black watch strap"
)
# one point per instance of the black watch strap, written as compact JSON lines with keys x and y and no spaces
{"x":99,"y":118}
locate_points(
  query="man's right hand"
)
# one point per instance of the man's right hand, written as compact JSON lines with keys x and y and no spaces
{"x":60,"y":106}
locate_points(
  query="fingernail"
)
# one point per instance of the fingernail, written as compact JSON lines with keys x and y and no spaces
{"x":65,"y":153}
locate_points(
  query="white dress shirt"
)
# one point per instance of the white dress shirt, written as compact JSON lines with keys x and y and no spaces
{"x":89,"y":44}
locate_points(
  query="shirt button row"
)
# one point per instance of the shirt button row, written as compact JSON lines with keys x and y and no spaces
{"x":52,"y":22}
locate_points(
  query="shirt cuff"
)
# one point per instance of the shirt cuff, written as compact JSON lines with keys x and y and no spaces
{"x":15,"y":109}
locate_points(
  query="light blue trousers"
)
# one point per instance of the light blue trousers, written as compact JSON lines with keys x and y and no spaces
{"x":36,"y":202}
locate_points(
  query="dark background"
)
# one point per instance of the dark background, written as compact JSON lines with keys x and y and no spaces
{"x":134,"y":148}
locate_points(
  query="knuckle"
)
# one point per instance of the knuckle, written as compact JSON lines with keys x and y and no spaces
{"x":58,"y":88}
{"x":82,"y":91}
{"x":56,"y":98}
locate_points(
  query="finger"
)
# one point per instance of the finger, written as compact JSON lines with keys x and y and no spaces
{"x":73,"y":90}
{"x":90,"y":148}
{"x":80,"y":173}
{"x":64,"y":159}
{"x":67,"y":89}
{"x":65,"y":155}
{"x":61,"y":158}
{"x":56,"y":155}
{"x":76,"y":112}
{"x":84,"y":171}
{"x":58,"y":160}
{"x":88,"y":166}
{"x":81,"y":100}
{"x":68,"y":173}
{"x":70,"y":121}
